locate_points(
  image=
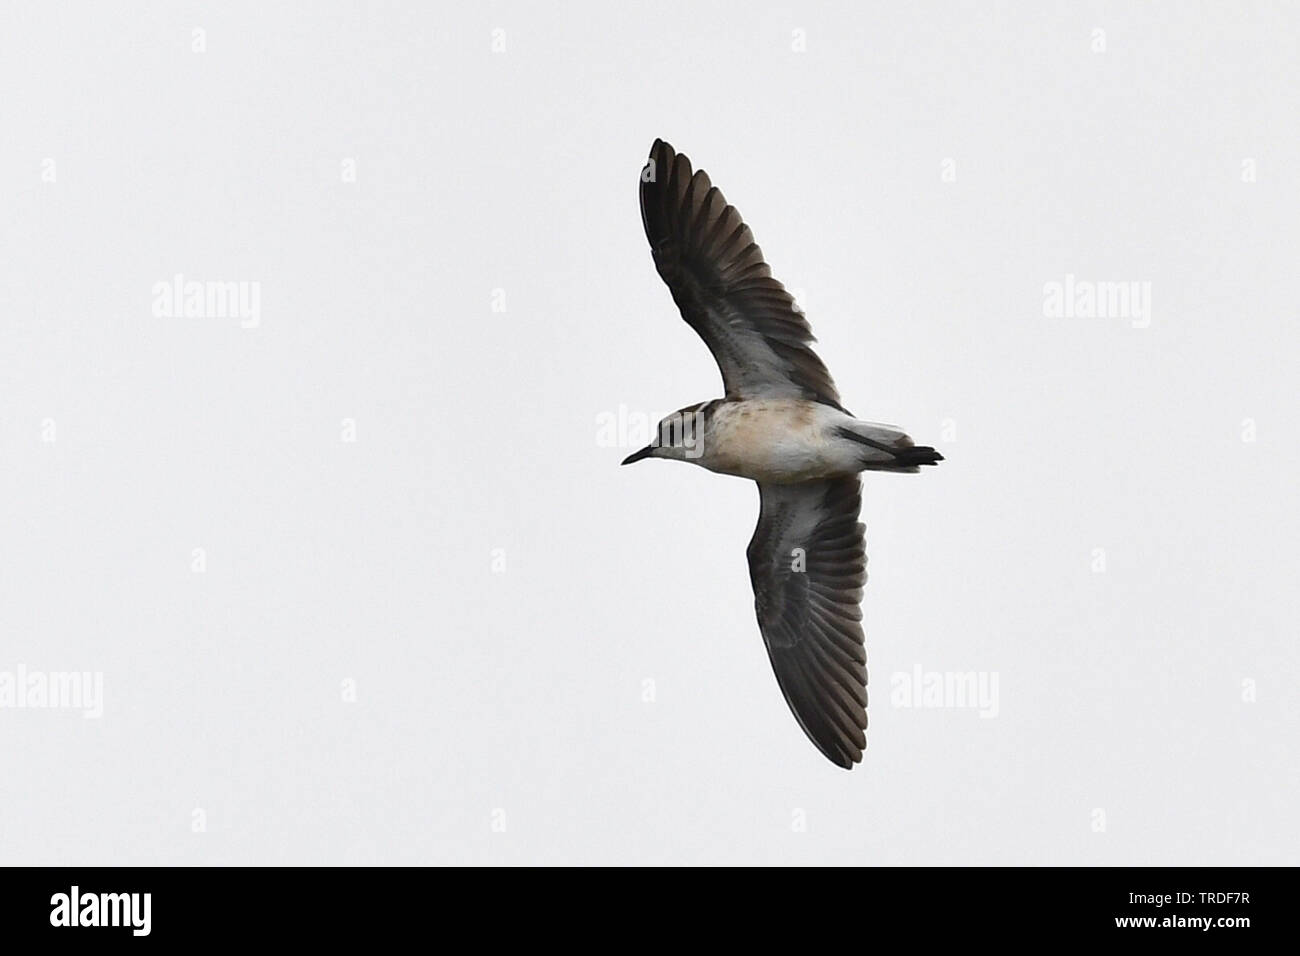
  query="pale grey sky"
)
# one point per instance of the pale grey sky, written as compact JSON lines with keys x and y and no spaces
{"x":360,"y":578}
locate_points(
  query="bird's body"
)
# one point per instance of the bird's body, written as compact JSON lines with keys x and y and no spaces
{"x":781,"y":440}
{"x":781,"y":423}
{"x":786,"y":440}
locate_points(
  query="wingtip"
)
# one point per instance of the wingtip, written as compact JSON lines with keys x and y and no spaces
{"x":661,"y":149}
{"x":845,"y":753}
{"x":844,"y":759}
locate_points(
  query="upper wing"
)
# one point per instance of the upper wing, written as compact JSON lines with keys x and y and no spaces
{"x":724,"y":289}
{"x":808,"y":564}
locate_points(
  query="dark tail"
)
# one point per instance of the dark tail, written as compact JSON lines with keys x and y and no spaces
{"x":896,"y":455}
{"x":917,"y":455}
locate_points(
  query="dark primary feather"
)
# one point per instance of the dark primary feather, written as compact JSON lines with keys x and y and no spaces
{"x":810,"y":618}
{"x":725,"y":291}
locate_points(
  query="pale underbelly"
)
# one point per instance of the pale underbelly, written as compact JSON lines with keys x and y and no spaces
{"x":779,"y":444}
{"x":780,"y":469}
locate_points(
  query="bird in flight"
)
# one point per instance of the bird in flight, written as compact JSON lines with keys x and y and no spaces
{"x":781,"y":424}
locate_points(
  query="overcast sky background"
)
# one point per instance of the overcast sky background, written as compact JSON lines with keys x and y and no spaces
{"x":1112,"y":534}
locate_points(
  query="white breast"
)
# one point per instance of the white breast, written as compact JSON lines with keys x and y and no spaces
{"x":777,"y":440}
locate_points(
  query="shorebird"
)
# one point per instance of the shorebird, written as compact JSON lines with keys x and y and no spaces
{"x":781,"y":424}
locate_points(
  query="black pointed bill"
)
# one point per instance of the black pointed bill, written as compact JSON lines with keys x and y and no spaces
{"x":638,"y":455}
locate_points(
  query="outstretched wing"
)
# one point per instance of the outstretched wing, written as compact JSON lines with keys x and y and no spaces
{"x":725,"y":291}
{"x":808,"y":565}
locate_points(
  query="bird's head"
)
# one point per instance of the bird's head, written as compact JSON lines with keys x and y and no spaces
{"x":680,"y":436}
